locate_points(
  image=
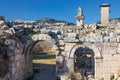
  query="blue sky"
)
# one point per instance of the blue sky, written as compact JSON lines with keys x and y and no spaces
{"x":57,"y":9}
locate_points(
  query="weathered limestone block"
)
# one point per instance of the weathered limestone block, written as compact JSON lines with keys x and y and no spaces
{"x":68,"y":46}
{"x":70,"y":39}
{"x":48,"y":37}
{"x":42,"y":37}
{"x":61,"y":42}
{"x":35,"y":37}
{"x":63,"y":53}
{"x":87,"y":39}
{"x":10,"y":31}
{"x":65,"y":77}
{"x":99,"y":44}
{"x":82,"y":39}
{"x":116,"y":57}
{"x":76,"y":40}
{"x":115,"y":63}
{"x":111,"y":34}
{"x":72,"y":35}
{"x":59,"y":36}
{"x":62,"y":48}
{"x":70,"y":65}
{"x":113,"y":39}
{"x":106,"y":39}
{"x":118,"y":39}
{"x":92,"y":40}
{"x":107,"y":57}
{"x":55,"y":47}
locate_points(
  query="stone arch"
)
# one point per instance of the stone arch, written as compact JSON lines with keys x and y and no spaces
{"x":70,"y":60}
{"x":97,"y":52}
{"x":41,"y":37}
{"x":34,"y":40}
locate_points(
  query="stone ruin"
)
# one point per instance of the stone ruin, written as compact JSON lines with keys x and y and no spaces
{"x":15,"y":60}
{"x":88,"y":53}
{"x":16,"y":52}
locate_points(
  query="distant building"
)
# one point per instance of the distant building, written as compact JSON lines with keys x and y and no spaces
{"x":80,"y":18}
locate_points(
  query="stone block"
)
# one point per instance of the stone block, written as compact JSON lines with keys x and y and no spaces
{"x":59,"y":36}
{"x":68,"y":46}
{"x":105,"y":39}
{"x":62,"y":48}
{"x":98,"y":38}
{"x":113,"y":39}
{"x":65,"y":77}
{"x":115,"y":63}
{"x":61,"y":42}
{"x":118,"y":39}
{"x":82,"y":39}
{"x":92,"y":40}
{"x":107,"y":57}
{"x":116,"y":57}
{"x":35,"y":37}
{"x":87,"y":39}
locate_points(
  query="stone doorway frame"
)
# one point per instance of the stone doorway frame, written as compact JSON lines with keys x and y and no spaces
{"x":70,"y":60}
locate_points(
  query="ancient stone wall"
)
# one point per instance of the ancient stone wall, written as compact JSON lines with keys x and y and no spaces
{"x":15,"y":59}
{"x":17,"y":62}
{"x":106,"y":58}
{"x":109,"y":65}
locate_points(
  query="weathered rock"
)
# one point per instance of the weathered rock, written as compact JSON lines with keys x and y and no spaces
{"x":113,"y":39}
{"x":61,"y":42}
{"x":10,"y":42}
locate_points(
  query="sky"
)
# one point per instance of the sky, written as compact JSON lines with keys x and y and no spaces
{"x":56,"y":9}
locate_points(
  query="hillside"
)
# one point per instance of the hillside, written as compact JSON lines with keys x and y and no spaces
{"x":43,"y":22}
{"x":52,"y":21}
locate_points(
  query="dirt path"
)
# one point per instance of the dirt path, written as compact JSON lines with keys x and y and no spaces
{"x":47,"y":73}
{"x":46,"y":68}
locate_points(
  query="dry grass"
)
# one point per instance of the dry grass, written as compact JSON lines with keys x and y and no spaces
{"x":44,"y":61}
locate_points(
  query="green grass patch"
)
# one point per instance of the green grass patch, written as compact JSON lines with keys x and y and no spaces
{"x":44,"y":53}
{"x":34,"y":33}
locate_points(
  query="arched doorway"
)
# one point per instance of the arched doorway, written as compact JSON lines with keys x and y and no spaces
{"x":43,"y":60}
{"x":84,"y":61}
{"x":88,"y":51}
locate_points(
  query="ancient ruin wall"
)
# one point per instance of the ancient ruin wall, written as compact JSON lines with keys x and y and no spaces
{"x":106,"y":56}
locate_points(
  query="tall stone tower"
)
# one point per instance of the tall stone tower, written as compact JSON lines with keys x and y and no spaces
{"x":80,"y":18}
{"x":105,"y":14}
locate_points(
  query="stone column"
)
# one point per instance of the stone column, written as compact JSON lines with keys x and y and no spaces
{"x":104,"y":13}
